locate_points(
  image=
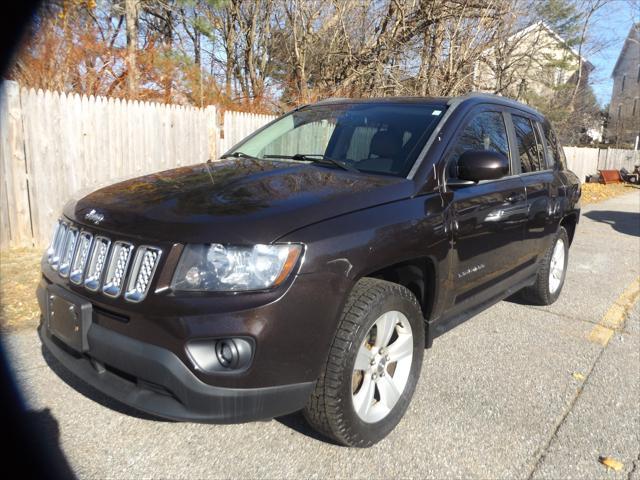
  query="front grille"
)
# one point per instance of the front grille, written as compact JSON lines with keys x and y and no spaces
{"x":102,"y":265}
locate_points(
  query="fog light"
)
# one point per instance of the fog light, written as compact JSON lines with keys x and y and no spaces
{"x":221,"y":355}
{"x":227,"y":353}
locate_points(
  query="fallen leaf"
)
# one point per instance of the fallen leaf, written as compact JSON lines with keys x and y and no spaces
{"x":611,"y":463}
{"x":578,"y":376}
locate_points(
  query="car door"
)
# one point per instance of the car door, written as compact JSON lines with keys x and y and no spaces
{"x":486,"y":219}
{"x":540,"y":183}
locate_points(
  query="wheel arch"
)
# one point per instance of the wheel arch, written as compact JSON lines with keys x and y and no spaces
{"x":569,"y":222}
{"x":418,"y":275}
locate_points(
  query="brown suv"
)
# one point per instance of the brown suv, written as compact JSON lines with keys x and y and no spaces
{"x":310,"y":268}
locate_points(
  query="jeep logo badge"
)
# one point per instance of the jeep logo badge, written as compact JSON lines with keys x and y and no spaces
{"x":94,"y":217}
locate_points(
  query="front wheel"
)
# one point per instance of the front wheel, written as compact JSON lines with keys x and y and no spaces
{"x":551,"y":274}
{"x":373,"y":366}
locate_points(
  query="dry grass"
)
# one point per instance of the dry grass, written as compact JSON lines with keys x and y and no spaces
{"x":19,"y":276}
{"x":597,"y":192}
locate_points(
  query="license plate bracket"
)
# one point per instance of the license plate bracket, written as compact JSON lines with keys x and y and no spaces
{"x":68,"y":317}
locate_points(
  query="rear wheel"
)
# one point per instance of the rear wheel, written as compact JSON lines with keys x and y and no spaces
{"x":373,"y":365}
{"x":551,"y":274}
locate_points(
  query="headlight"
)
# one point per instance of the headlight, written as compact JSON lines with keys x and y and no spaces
{"x":216,"y":267}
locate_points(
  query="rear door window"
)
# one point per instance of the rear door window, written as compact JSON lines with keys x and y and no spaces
{"x":529,"y":151}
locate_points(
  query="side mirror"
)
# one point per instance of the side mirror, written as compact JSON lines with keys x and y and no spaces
{"x":482,"y":165}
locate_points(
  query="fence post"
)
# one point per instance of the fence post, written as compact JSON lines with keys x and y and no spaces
{"x":603,"y":154}
{"x":14,"y":205}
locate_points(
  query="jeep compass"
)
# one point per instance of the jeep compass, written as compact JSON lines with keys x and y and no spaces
{"x":309,"y":267}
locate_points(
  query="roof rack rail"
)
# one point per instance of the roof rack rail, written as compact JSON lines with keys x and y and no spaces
{"x":333,"y":99}
{"x":507,"y":100}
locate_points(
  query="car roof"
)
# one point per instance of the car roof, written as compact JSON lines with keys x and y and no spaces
{"x":374,"y":100}
{"x":470,"y":99}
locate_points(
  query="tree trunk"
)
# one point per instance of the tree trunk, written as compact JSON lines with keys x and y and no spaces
{"x":131,"y":17}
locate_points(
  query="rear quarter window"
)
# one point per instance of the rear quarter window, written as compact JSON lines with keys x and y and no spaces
{"x":529,"y":151}
{"x":555,"y":153}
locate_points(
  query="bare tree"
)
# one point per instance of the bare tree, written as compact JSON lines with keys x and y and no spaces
{"x":131,"y":21}
{"x":271,"y":54}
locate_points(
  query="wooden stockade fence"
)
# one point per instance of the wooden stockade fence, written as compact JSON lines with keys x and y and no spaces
{"x":587,"y":161}
{"x":53,"y":146}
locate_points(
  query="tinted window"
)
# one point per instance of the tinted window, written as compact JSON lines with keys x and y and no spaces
{"x":555,"y":154}
{"x":485,"y":131}
{"x":528,"y":149}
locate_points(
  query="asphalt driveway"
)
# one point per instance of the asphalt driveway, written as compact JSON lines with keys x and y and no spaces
{"x":517,"y":392}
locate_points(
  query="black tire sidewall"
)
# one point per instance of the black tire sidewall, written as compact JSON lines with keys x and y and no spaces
{"x":378,"y":430}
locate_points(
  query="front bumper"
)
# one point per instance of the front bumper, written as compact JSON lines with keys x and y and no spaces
{"x":154,"y":380}
{"x":138,"y":352}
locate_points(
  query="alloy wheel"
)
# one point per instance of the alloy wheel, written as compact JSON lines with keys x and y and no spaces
{"x":556,"y":269}
{"x":382,"y":366}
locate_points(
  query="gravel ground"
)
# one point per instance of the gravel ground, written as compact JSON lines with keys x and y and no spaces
{"x":514,"y":392}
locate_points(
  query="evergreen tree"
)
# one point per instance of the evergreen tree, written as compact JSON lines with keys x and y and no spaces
{"x":562,"y":16}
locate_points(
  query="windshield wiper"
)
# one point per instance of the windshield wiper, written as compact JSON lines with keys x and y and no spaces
{"x":318,"y":158}
{"x":238,"y":155}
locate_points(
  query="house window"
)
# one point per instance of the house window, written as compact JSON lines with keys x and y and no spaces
{"x":635,"y":106}
{"x":638,"y":79}
{"x":619,"y":112}
{"x":624,"y":77}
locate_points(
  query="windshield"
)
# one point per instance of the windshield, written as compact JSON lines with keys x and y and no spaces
{"x":373,"y":138}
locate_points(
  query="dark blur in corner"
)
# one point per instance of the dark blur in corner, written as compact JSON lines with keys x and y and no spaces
{"x":31,"y":438}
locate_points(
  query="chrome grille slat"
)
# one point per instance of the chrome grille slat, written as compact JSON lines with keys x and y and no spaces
{"x":54,"y":239}
{"x":97,"y":262}
{"x":101,"y":265}
{"x":117,"y":269}
{"x":80,"y":258}
{"x":68,"y":251}
{"x":58,"y":245}
{"x":142,"y":272}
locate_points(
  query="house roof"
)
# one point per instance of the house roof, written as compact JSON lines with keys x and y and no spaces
{"x":543,"y":26}
{"x":634,"y":36}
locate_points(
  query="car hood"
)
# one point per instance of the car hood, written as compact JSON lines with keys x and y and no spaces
{"x":233,"y":201}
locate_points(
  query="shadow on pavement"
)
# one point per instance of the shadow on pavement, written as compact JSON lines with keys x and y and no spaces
{"x":296,"y":422}
{"x":46,"y":427}
{"x":93,"y":394}
{"x":518,"y":300}
{"x":623,"y":222}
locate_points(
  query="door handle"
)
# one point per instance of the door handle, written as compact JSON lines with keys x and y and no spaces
{"x":514,"y":197}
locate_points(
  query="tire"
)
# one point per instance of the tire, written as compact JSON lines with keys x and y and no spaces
{"x":331,"y":409}
{"x":544,"y":291}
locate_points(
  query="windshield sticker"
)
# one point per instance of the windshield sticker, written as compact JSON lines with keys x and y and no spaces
{"x":436,"y":112}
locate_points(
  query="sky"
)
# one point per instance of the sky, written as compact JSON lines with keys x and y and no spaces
{"x":611,"y":24}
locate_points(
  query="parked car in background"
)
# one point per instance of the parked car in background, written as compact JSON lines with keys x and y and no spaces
{"x":309,"y":269}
